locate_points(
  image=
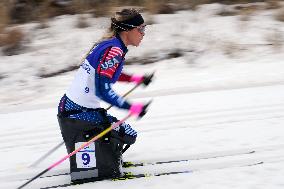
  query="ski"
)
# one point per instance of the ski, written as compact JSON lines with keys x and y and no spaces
{"x":126,"y":176}
{"x":133,"y":164}
{"x":129,"y":175}
{"x":192,"y":158}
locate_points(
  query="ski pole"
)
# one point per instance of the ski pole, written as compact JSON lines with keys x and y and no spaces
{"x":46,"y":154}
{"x":127,"y":93}
{"x":59,"y":145}
{"x":77,"y":150}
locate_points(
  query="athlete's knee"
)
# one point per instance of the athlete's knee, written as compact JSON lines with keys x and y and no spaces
{"x":125,"y":133}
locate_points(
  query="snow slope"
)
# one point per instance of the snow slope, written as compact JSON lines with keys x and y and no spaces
{"x":204,"y":103}
{"x":193,"y":124}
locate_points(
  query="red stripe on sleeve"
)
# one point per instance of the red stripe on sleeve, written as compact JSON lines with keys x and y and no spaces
{"x":124,"y":77}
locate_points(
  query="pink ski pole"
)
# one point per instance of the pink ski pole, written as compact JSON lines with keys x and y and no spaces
{"x":77,"y":150}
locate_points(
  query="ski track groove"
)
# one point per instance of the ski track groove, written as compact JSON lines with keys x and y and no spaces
{"x":212,"y":119}
{"x":236,"y":109}
{"x":30,"y":144}
{"x":44,"y":127}
{"x":214,"y":116}
{"x":184,"y":166}
{"x":260,"y":154}
{"x":184,"y":124}
{"x":27,"y":130}
{"x":230,"y":115}
{"x":29,"y":136}
{"x":180,"y":125}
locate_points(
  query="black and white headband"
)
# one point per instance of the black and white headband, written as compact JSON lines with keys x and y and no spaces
{"x":129,"y":24}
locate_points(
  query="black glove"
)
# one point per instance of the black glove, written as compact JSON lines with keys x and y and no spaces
{"x":147,"y":79}
{"x":145,"y":109}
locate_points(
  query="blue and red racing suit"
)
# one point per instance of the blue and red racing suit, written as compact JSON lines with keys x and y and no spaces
{"x":93,"y":82}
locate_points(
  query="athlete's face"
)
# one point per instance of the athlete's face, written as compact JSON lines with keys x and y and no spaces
{"x":136,"y":35}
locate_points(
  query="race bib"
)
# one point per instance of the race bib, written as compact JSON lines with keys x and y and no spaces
{"x":86,"y":157}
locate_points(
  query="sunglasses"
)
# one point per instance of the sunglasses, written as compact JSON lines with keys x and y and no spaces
{"x":141,"y":29}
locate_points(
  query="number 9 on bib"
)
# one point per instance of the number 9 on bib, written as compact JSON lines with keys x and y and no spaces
{"x":86,"y":157}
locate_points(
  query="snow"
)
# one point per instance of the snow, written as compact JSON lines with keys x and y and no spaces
{"x":226,"y":93}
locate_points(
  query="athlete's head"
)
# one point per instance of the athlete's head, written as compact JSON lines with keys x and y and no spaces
{"x":129,"y":24}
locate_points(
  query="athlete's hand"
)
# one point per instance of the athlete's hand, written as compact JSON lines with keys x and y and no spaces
{"x":138,"y":109}
{"x":146,"y":79}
